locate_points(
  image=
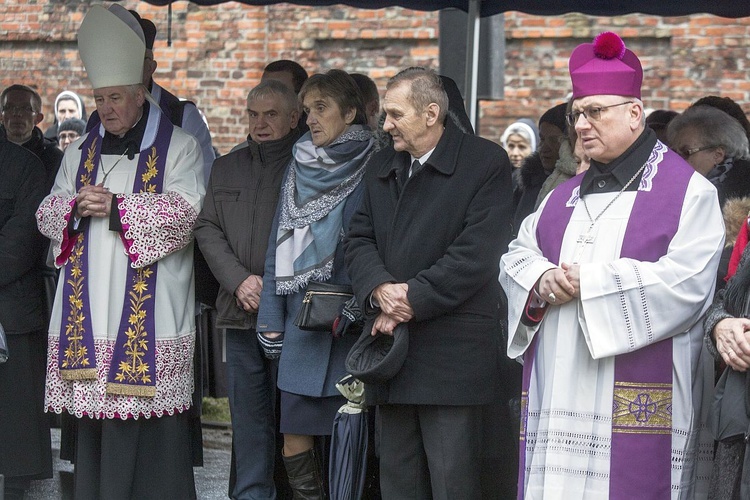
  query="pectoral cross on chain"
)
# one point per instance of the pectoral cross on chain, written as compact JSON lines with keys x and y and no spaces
{"x":584,"y":239}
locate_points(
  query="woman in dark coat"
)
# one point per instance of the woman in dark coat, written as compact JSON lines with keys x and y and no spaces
{"x":716,"y":146}
{"x":318,"y":197}
{"x":726,"y":326}
{"x":540,"y":165}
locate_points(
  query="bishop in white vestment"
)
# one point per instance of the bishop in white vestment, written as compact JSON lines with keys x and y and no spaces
{"x":122,"y":331}
{"x":606,"y":284}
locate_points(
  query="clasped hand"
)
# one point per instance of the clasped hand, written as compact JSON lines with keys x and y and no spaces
{"x":247,"y":294}
{"x":394,"y":305}
{"x":731,"y":335}
{"x":393,"y":301}
{"x":93,"y":201}
{"x":560,"y":285}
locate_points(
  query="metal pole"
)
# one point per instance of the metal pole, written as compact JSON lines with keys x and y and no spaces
{"x":472,"y":60}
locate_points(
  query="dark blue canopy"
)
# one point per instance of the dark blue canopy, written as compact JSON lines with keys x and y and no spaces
{"x":724,"y":8}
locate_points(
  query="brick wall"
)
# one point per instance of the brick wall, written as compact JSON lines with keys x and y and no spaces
{"x":684,"y":58}
{"x":217,"y":53}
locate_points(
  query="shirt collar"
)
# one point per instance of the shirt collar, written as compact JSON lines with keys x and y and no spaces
{"x":131,"y":141}
{"x":423,"y":159}
{"x":622,"y":168}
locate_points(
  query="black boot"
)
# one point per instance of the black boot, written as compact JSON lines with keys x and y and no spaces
{"x":303,"y":470}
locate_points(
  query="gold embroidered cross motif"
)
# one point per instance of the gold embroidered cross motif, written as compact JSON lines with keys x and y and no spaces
{"x":642,"y":408}
{"x":76,"y":362}
{"x":134,"y":370}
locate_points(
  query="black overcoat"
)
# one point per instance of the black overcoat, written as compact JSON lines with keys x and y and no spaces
{"x":22,"y":189}
{"x":443,"y":234}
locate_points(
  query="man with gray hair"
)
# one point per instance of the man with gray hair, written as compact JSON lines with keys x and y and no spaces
{"x":122,"y":334}
{"x":233,"y":230}
{"x":438,"y":279}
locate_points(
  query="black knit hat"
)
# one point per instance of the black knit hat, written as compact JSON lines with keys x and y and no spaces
{"x":375,"y":359}
{"x":72,"y":124}
{"x":555,"y":116}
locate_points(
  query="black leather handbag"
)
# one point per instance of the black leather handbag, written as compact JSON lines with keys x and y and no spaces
{"x":322,"y":305}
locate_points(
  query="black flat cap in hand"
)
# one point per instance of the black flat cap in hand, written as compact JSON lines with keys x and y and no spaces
{"x":375,"y":359}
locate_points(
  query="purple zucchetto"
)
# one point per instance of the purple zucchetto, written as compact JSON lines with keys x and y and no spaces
{"x":605,"y":67}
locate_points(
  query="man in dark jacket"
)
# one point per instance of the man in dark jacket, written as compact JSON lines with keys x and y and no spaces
{"x":233,"y":230}
{"x":423,"y":249}
{"x":22,"y":112}
{"x":25,"y":449}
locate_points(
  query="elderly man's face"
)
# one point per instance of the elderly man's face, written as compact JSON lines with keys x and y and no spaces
{"x":20,"y":116}
{"x":269,"y":118}
{"x":406,"y":124}
{"x":119,"y":107}
{"x":615,"y":130}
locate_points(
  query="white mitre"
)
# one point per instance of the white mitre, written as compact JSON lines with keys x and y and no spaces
{"x":112,"y":47}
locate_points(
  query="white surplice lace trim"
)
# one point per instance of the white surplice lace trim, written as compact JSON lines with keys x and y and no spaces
{"x":174,"y":384}
{"x":156,"y":224}
{"x":50,"y":217}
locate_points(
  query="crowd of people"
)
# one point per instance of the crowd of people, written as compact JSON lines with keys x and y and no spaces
{"x":540,"y":317}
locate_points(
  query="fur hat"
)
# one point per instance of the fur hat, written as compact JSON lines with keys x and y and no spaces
{"x":605,"y":67}
{"x":735,"y":212}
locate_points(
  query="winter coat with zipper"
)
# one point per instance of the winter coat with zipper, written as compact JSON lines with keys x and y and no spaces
{"x":235,"y":223}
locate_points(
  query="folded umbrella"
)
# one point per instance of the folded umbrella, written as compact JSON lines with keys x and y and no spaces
{"x":348,"y":460}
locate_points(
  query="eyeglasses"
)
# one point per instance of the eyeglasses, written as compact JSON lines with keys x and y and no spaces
{"x":9,"y":109}
{"x":591,"y":113}
{"x":70,"y":136}
{"x":687,"y":153}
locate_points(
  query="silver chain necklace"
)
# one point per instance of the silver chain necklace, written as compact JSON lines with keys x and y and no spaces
{"x":107,"y":172}
{"x":588,"y":237}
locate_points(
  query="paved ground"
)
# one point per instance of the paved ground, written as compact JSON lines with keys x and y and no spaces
{"x":210,"y":480}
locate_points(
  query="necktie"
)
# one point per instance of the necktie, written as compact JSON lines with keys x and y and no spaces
{"x":415,"y":166}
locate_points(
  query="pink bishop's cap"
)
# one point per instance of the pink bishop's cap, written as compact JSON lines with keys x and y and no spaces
{"x":605,"y":67}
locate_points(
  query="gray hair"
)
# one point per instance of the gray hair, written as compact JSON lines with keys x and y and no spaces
{"x":274,"y":88}
{"x":716,"y":128}
{"x":133,"y":88}
{"x":426,"y":88}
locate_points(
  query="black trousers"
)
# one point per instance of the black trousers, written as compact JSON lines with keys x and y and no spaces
{"x":25,"y":448}
{"x":142,"y":459}
{"x":430,"y":451}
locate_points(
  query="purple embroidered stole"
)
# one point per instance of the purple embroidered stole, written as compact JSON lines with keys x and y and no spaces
{"x":642,"y":405}
{"x":133,"y":367}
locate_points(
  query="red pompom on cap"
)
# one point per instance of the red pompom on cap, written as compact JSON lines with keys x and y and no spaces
{"x":609,"y":45}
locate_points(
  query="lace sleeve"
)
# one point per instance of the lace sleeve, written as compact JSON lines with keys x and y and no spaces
{"x":154,"y":225}
{"x":52,"y":219}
